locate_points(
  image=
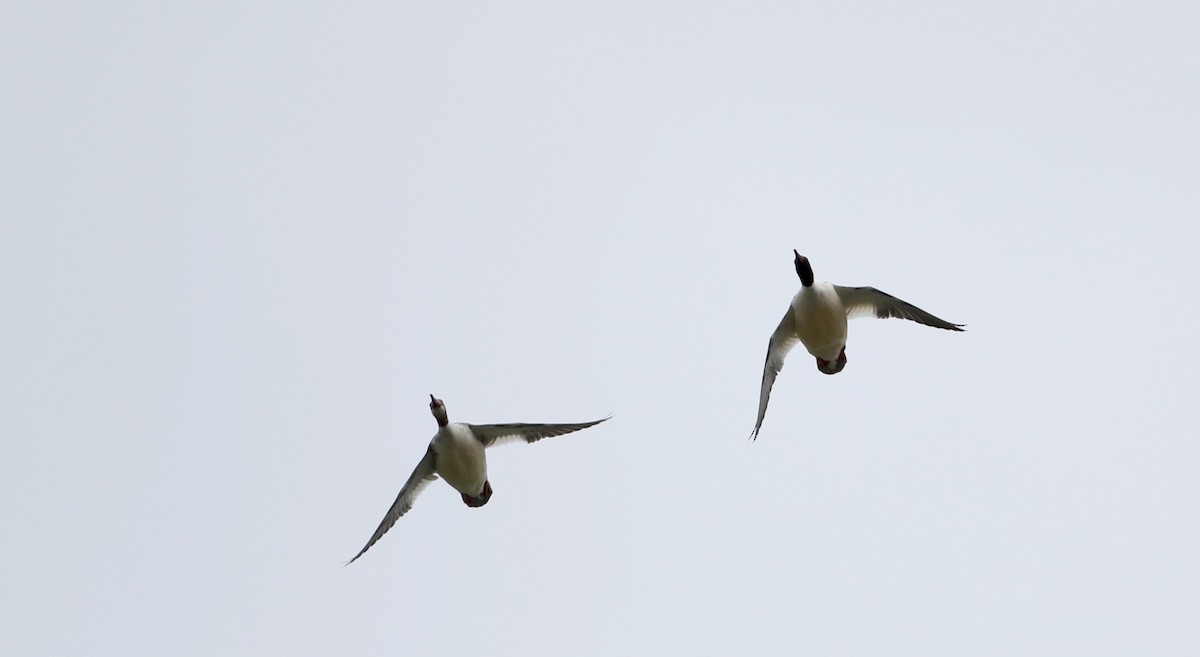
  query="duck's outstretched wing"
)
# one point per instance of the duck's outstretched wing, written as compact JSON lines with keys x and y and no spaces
{"x":499,"y":434}
{"x":782,"y":341}
{"x":862,"y":301}
{"x":425,"y":472}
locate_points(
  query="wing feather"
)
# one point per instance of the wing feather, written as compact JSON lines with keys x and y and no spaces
{"x":782,"y":341}
{"x":425,"y":472}
{"x":499,"y":434}
{"x":862,"y":301}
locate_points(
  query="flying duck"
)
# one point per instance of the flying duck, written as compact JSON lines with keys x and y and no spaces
{"x":457,"y":454}
{"x":817,"y":317}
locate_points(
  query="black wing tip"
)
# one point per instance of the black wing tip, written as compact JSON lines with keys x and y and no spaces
{"x":580,"y":426}
{"x":576,"y":426}
{"x":584,"y":425}
{"x":361,"y":552}
{"x":935,"y":322}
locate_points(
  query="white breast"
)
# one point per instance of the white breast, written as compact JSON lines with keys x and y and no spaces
{"x":820,"y":320}
{"x":461,"y":459}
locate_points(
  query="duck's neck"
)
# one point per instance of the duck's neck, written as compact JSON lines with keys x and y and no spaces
{"x":805,"y":272}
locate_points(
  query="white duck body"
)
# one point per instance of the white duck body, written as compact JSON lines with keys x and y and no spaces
{"x":820,"y":320}
{"x":461,"y":458}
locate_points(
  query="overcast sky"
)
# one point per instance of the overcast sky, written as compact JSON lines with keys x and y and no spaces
{"x":241,"y":245}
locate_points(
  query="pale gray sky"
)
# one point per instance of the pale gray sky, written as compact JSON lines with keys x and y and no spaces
{"x":241,"y":245}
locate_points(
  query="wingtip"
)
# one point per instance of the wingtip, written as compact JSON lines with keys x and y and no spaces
{"x":602,"y":420}
{"x":360,"y":553}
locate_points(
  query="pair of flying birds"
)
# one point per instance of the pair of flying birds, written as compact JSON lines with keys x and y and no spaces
{"x":817,"y":317}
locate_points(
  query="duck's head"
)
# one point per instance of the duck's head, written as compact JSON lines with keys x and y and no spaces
{"x":803,"y":269}
{"x":438,"y":408}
